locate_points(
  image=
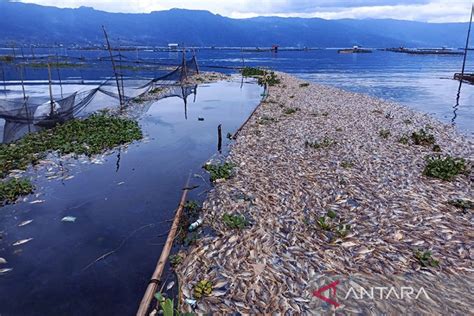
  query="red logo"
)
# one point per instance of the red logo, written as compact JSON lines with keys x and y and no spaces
{"x":318,"y":293}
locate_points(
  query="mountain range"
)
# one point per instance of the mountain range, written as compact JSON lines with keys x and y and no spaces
{"x":35,"y":24}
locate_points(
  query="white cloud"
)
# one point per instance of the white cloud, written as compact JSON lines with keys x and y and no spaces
{"x":419,"y":10}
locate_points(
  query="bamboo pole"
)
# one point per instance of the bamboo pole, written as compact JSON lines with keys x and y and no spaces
{"x":466,"y":48}
{"x":113,"y":66}
{"x":59,"y":75}
{"x":155,"y":278}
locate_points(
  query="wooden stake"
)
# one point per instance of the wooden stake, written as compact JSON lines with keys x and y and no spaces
{"x":3,"y":78}
{"x":155,"y":278}
{"x":25,"y":99}
{"x":113,"y":66}
{"x":51,"y":112}
{"x":219,"y":138}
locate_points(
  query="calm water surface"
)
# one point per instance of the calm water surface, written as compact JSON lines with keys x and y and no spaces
{"x":114,"y":201}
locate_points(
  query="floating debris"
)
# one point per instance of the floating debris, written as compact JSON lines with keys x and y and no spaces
{"x":69,"y":219}
{"x":23,"y":241}
{"x":5,"y":270}
{"x":3,"y":260}
{"x":25,"y":223}
{"x":37,"y":201}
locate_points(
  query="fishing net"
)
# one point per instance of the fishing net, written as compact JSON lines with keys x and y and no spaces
{"x":29,"y":114}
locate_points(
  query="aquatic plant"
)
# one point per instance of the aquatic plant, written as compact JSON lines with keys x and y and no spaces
{"x":407,"y":121}
{"x":377,"y":111}
{"x":11,"y":189}
{"x":326,"y":142}
{"x":252,"y":72}
{"x":346,"y":164}
{"x":343,"y":230}
{"x":325,"y":114}
{"x":422,"y":138}
{"x":323,"y":224}
{"x":289,"y":111}
{"x":338,"y":129}
{"x":305,"y":84}
{"x":223,"y":171}
{"x":235,"y":221}
{"x":436,"y":148}
{"x":403,"y":140}
{"x":175,"y":260}
{"x":444,"y":168}
{"x":270,"y":79}
{"x":202,"y":288}
{"x":425,"y":258}
{"x":166,"y":305}
{"x":7,"y":58}
{"x":331,"y":214}
{"x":55,"y":65}
{"x":90,"y":136}
{"x":156,"y":90}
{"x":462,"y":204}
{"x":384,"y":133}
{"x":229,"y":136}
{"x":192,"y":206}
{"x":264,"y":120}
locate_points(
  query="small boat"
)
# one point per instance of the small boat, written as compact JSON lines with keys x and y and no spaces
{"x":464,"y":77}
{"x":354,"y":50}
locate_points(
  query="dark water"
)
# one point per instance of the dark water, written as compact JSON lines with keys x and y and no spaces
{"x":122,"y":202}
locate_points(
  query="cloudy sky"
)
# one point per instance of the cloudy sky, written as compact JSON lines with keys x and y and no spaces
{"x":419,"y":10}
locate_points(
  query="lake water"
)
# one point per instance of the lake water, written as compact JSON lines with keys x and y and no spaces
{"x":124,"y":200}
{"x":422,"y":82}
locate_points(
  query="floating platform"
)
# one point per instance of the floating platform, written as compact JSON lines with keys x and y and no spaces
{"x":425,"y":51}
{"x":464,"y":77}
{"x":354,"y":51}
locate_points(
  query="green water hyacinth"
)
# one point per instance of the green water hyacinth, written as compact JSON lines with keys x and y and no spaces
{"x":88,"y":137}
{"x":446,"y":168}
{"x":12,"y":189}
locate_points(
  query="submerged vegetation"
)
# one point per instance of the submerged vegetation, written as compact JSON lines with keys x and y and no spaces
{"x":88,"y":137}
{"x":11,"y":189}
{"x":446,"y":168}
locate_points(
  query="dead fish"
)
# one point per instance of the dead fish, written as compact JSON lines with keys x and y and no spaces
{"x":69,"y":178}
{"x":170,"y":285}
{"x":2,"y":271}
{"x":36,"y":201}
{"x":25,"y":223}
{"x":23,"y":241}
{"x":3,"y":260}
{"x":68,"y":219}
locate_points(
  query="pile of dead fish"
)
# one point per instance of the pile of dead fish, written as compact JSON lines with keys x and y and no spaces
{"x":330,"y":197}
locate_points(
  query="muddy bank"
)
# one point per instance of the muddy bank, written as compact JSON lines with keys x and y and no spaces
{"x":334,"y":185}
